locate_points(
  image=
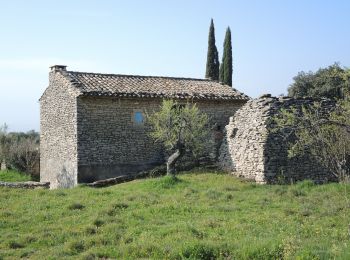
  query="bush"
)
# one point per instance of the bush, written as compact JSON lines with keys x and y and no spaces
{"x":199,"y":251}
{"x":20,"y":151}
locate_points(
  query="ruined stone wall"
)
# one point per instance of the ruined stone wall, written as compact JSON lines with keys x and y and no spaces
{"x":58,"y":142}
{"x":251,"y":150}
{"x":219,"y":112}
{"x":111,"y":143}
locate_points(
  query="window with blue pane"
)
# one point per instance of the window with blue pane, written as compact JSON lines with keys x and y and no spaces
{"x":138,"y":117}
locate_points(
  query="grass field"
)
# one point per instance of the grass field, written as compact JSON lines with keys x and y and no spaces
{"x":200,"y":216}
{"x":13,"y":176}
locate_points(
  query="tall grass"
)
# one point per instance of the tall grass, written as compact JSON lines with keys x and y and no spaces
{"x":13,"y":176}
{"x":198,"y":216}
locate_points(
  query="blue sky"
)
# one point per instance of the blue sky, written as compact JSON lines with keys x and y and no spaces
{"x":272,"y":41}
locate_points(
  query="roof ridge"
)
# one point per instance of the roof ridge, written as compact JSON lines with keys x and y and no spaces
{"x":123,"y":85}
{"x":74,"y":82}
{"x":144,"y":76}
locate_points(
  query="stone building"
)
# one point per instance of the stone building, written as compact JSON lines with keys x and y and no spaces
{"x":93,"y":125}
{"x":252,"y":150}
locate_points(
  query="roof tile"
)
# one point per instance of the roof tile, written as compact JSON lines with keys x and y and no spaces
{"x":95,"y":84}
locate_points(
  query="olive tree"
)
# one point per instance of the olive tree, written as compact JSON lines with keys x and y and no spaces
{"x":181,"y":128}
{"x":326,"y":138}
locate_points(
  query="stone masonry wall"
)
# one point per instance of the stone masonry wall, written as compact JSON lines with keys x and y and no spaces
{"x":58,"y":142}
{"x":251,"y":150}
{"x":111,"y":143}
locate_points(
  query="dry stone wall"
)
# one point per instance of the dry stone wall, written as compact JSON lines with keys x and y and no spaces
{"x":111,"y":143}
{"x":58,"y":133}
{"x":251,"y":150}
{"x":89,"y":138}
{"x":25,"y":185}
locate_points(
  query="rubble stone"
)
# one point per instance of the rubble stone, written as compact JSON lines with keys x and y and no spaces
{"x":251,"y":150}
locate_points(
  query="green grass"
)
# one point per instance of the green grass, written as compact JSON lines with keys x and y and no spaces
{"x":13,"y":176}
{"x":198,"y":216}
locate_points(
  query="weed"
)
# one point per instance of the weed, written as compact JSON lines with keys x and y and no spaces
{"x":30,"y":239}
{"x":120,"y":206}
{"x":61,"y":193}
{"x":189,"y":192}
{"x":91,"y":230}
{"x":90,"y":256}
{"x":229,"y":197}
{"x":168,"y":182}
{"x":196,"y":233}
{"x":233,"y":188}
{"x":15,"y":245}
{"x":297,"y":192}
{"x":76,"y":206}
{"x":280,"y":190}
{"x":14,"y":176}
{"x":76,"y":247}
{"x":307,"y":184}
{"x":289,"y":212}
{"x":213,"y":194}
{"x":98,"y":222}
{"x":199,"y":251}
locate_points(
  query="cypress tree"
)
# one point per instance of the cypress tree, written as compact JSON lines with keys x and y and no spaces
{"x":212,"y":71}
{"x":221,"y":72}
{"x":226,"y":65}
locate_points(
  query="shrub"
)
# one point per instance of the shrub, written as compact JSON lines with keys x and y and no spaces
{"x":76,"y":206}
{"x":98,"y":222}
{"x":15,"y":245}
{"x":199,"y":251}
{"x":20,"y":151}
{"x":91,"y":230}
{"x":76,"y":247}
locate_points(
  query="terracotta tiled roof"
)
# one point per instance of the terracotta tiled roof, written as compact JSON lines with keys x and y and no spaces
{"x":95,"y":84}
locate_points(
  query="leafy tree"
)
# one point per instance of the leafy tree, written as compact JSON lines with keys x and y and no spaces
{"x":213,"y":64}
{"x":326,"y":138}
{"x":180,"y":128}
{"x":331,"y":82}
{"x":226,"y":64}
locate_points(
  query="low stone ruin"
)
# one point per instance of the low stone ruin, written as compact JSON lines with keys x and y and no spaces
{"x":25,"y":185}
{"x":252,"y":150}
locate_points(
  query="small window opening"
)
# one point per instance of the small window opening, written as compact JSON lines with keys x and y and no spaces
{"x":138,"y":118}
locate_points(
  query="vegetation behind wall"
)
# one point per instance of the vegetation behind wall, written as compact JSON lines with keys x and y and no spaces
{"x":20,"y":151}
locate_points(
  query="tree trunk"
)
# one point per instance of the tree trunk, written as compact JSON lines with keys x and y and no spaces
{"x":179,"y":152}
